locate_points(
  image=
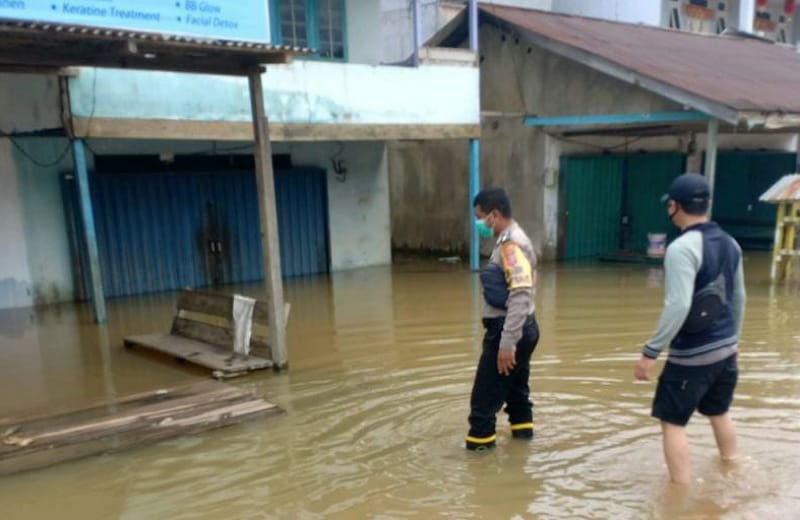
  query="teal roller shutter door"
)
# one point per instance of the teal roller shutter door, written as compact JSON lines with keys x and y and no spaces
{"x":591,"y":196}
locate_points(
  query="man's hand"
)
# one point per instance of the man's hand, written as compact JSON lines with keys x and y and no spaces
{"x":643,"y":368}
{"x":506,"y":360}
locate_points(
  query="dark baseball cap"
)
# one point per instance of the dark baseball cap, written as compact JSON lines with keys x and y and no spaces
{"x":689,"y":187}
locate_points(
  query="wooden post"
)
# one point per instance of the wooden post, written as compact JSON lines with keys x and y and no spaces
{"x":780,"y":226}
{"x":87,"y":220}
{"x":268,"y":216}
{"x":790,"y":234}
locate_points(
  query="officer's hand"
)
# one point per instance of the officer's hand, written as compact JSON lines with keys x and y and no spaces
{"x":506,"y":361}
{"x":643,"y":368}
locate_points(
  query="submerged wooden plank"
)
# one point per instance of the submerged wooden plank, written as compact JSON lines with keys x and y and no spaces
{"x":203,"y":354}
{"x":45,"y":440}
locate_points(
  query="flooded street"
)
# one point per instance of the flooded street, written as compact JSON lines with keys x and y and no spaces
{"x":381,"y":366}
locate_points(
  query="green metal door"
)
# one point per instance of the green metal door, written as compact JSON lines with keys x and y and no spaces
{"x":647,"y":178}
{"x":590,"y":202}
{"x":742,"y":176}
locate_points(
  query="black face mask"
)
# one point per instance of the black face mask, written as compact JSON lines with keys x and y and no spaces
{"x":672,"y":215}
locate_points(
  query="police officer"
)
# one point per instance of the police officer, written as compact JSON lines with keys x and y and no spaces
{"x":511,"y":331}
{"x":701,"y":321}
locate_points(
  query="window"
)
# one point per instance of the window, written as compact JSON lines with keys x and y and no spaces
{"x":293,"y":23}
{"x":319,"y":24}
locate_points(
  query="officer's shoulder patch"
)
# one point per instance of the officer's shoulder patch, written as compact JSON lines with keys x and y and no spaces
{"x":519,"y":273}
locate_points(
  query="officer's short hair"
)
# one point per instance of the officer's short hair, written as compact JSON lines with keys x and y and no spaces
{"x":492,"y":199}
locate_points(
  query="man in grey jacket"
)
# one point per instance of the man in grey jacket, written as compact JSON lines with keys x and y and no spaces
{"x":701,"y":322}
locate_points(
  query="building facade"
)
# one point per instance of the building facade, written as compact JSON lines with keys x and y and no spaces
{"x":171,"y":169}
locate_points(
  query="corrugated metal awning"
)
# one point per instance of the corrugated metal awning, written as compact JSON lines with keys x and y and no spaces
{"x":741,"y":80}
{"x":50,"y":45}
{"x":787,"y":189}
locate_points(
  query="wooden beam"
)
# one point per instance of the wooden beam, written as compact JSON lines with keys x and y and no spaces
{"x":617,"y":119}
{"x":117,"y":128}
{"x":42,"y":440}
{"x":38,"y":69}
{"x":268,"y":214}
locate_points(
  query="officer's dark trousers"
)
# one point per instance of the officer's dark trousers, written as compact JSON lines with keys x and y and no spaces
{"x":491,"y":390}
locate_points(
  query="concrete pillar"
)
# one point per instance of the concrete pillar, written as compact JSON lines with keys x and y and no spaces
{"x":747,"y":14}
{"x":711,"y":154}
{"x":417,"y":30}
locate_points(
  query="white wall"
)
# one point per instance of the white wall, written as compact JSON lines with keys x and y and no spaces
{"x":360,"y":233}
{"x":364,"y":37}
{"x":35,"y":266}
{"x":544,"y":5}
{"x":631,"y":11}
{"x":15,"y":278}
{"x":304,"y":92}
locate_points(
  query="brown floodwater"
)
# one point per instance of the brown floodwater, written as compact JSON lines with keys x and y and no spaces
{"x":377,"y":396}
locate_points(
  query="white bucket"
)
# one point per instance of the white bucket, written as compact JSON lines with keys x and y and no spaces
{"x":656,"y":244}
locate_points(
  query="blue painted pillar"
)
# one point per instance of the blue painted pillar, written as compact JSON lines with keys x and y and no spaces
{"x":474,"y":187}
{"x":417,"y":30}
{"x":473,"y":25}
{"x":474,"y":154}
{"x":87,"y":220}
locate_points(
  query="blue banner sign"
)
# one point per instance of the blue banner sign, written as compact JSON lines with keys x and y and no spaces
{"x":213,"y":19}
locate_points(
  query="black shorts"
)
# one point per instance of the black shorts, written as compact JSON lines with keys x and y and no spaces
{"x":682,"y":390}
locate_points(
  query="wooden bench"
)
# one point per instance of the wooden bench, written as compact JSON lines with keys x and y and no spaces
{"x":203,"y":333}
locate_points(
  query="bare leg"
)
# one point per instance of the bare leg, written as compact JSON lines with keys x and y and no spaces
{"x":725,"y":434}
{"x":676,"y":452}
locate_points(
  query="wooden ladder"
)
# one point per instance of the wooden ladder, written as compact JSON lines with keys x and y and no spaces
{"x":787,"y":247}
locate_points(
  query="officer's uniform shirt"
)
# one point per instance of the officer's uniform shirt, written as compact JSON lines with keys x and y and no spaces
{"x":514,"y":253}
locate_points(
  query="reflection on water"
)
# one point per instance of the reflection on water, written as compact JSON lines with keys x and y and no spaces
{"x":382,"y":362}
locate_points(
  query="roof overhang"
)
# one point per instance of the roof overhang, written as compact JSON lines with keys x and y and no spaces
{"x":41,"y":46}
{"x":736,"y":120}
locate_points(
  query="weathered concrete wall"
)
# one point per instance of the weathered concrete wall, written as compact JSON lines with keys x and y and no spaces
{"x":35,"y":265}
{"x":429,"y":191}
{"x":516,"y":79}
{"x":41,"y":109}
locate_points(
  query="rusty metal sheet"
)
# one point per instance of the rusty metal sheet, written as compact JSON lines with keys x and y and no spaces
{"x":741,"y":73}
{"x":786,"y":189}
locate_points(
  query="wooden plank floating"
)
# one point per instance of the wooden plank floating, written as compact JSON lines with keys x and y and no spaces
{"x":203,"y":333}
{"x":204,"y":354}
{"x":38,"y":441}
